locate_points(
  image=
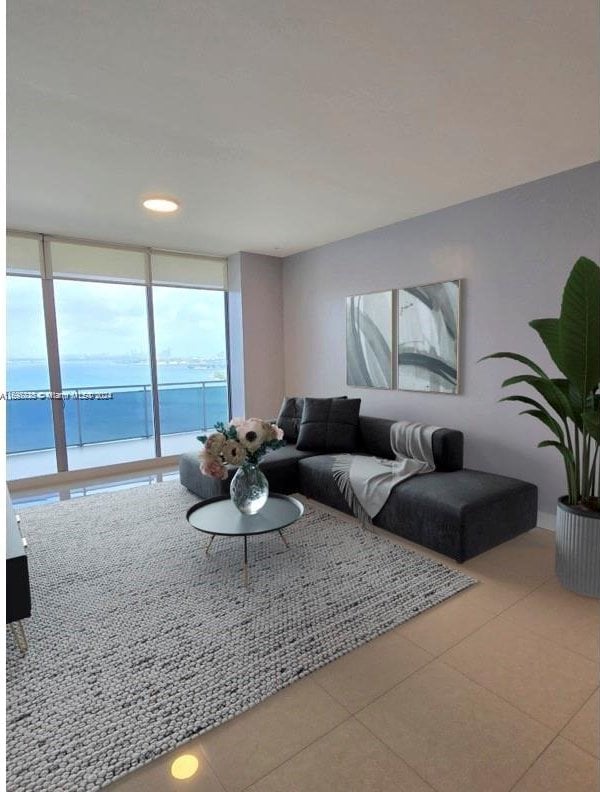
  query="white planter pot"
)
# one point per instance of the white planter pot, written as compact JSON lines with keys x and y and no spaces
{"x":578,"y":549}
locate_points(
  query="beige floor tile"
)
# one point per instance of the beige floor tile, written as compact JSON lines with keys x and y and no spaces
{"x":491,"y":594}
{"x":364,"y":674}
{"x":584,"y":729}
{"x":157,"y":776}
{"x":439,"y":628}
{"x":251,"y":745}
{"x":565,"y":618}
{"x":561,"y":768}
{"x":517,"y":566}
{"x":456,"y":734}
{"x":544,"y":680}
{"x":348,"y":759}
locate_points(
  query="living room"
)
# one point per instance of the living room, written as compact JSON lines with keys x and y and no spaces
{"x":272,"y":269}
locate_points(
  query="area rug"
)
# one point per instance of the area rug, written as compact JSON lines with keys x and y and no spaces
{"x":140,"y":641}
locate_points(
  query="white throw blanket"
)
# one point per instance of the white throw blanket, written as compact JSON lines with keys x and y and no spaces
{"x":366,"y":482}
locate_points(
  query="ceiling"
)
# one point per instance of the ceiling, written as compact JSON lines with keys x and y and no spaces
{"x":286,"y":124}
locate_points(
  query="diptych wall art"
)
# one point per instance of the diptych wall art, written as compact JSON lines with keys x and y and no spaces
{"x":369,"y":340}
{"x":421,"y":323}
{"x":428,"y":337}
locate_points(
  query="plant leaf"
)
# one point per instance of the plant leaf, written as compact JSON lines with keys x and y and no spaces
{"x":549,"y":331}
{"x":574,"y":398}
{"x":532,"y":403}
{"x":524,"y":400}
{"x":580,"y":326}
{"x":591,"y":421}
{"x":546,"y":388}
{"x":519,"y":358}
{"x":567,"y":454}
{"x":548,"y":421}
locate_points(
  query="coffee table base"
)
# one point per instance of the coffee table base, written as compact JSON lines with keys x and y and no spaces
{"x":245,"y":566}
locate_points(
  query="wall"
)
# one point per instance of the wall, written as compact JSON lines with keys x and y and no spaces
{"x":255,"y":334}
{"x":514,"y":250}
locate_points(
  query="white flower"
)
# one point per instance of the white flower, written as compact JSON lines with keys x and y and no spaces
{"x":233,"y":452}
{"x":251,"y":434}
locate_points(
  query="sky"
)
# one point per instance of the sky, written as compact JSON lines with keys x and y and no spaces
{"x":105,"y":319}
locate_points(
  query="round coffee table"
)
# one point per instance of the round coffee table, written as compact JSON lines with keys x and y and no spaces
{"x":219,"y":517}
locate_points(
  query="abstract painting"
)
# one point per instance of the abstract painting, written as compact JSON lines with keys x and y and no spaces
{"x":428,"y":322}
{"x":369,"y":340}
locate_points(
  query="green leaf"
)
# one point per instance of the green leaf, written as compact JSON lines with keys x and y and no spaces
{"x":580,"y":326}
{"x":549,"y":331}
{"x":519,"y":358}
{"x":524,"y":400}
{"x":548,"y":421}
{"x":538,"y":407}
{"x":591,"y":421}
{"x":574,"y":398}
{"x":546,"y":388}
{"x":567,"y":454}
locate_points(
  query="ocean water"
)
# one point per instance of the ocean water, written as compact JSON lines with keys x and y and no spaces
{"x":24,"y":375}
{"x":127,"y":415}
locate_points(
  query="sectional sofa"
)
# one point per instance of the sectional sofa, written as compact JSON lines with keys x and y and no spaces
{"x":455,"y":511}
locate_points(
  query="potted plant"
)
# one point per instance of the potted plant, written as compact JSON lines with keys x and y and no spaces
{"x":570,"y":409}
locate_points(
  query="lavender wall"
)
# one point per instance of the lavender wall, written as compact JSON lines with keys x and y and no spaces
{"x":514,"y":250}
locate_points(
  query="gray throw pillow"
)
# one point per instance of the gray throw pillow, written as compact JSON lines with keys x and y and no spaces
{"x":290,"y":416}
{"x":329,"y":425}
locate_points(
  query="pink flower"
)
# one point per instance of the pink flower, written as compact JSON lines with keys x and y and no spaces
{"x":214,"y":443}
{"x":278,"y":432}
{"x":213,"y":468}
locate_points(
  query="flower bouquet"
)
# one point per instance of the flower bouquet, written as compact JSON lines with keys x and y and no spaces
{"x":242,"y":442}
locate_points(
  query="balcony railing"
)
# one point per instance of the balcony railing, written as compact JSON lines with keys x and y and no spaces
{"x":184,"y":407}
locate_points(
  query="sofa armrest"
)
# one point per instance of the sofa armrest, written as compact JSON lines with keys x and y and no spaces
{"x":448,"y":449}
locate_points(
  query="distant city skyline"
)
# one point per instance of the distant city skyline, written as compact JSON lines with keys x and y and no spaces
{"x":93,"y":318}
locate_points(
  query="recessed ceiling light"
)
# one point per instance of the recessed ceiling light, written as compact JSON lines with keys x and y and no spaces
{"x":160,"y":204}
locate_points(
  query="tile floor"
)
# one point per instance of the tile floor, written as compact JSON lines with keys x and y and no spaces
{"x":494,"y":690}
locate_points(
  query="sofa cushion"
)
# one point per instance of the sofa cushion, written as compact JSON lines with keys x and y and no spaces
{"x":374,"y":439}
{"x":290,"y":416}
{"x":281,"y":468}
{"x":329,"y":425}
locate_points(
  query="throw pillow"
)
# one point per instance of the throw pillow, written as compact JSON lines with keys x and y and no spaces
{"x":290,"y":416}
{"x":329,"y":425}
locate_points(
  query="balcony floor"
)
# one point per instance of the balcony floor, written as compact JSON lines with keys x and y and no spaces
{"x":41,"y":463}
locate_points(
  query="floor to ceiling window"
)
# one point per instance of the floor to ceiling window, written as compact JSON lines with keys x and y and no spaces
{"x":29,"y":426}
{"x":103,"y":344}
{"x":137,"y":348}
{"x":192,"y":363}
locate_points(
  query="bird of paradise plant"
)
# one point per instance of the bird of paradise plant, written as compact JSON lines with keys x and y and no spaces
{"x":571,"y":404}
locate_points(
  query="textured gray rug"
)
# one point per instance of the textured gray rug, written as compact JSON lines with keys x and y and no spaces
{"x":138,"y":640}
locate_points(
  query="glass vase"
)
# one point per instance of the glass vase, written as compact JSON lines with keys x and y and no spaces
{"x":249,"y":488}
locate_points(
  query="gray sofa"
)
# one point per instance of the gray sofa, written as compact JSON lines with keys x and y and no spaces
{"x":454,"y":511}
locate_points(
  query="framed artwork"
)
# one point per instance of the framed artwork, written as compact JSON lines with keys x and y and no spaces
{"x":369,"y":328}
{"x":428,"y":342}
